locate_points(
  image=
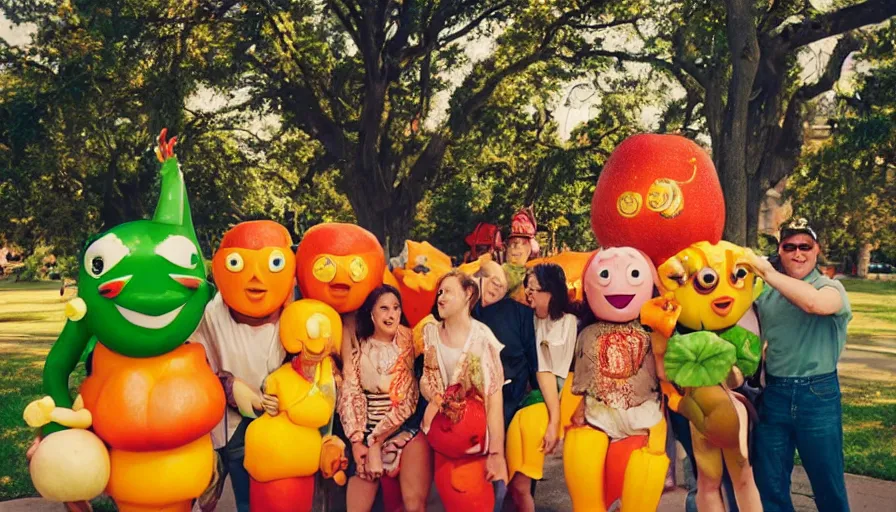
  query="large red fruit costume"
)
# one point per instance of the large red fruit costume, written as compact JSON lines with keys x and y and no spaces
{"x":655,"y":186}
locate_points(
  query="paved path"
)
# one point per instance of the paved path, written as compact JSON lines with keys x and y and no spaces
{"x":865,"y":495}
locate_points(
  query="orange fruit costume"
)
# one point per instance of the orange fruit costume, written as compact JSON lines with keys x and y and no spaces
{"x":418,"y":279}
{"x":339,"y":265}
{"x":254,"y":267}
{"x":573,"y":265}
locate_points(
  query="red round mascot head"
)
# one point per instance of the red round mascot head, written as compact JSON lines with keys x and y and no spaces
{"x":339,"y":265}
{"x":658,"y":194}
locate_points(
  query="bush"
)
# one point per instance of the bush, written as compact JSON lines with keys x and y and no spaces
{"x":43,"y":264}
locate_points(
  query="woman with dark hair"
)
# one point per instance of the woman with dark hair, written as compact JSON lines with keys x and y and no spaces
{"x":462,"y":379}
{"x":555,"y":337}
{"x":379,"y":394}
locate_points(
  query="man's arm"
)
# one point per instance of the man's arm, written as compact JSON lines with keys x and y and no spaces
{"x":823,"y":301}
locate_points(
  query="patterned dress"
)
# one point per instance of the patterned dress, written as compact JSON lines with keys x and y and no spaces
{"x":379,"y":392}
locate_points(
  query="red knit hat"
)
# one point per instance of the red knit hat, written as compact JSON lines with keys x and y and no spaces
{"x":523,"y":223}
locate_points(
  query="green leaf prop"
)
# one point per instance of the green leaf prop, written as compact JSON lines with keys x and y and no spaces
{"x":697,"y":359}
{"x":748,"y":347}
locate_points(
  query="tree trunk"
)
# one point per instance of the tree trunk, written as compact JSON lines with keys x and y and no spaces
{"x":741,"y":28}
{"x":389,"y":221}
{"x":863,"y":260}
{"x":755,"y":196}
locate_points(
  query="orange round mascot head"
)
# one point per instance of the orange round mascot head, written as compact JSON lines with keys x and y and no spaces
{"x":339,"y":264}
{"x":658,"y":194}
{"x":254,"y":267}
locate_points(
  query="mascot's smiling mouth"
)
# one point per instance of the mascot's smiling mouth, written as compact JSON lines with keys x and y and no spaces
{"x":619,"y":301}
{"x":722,"y":306}
{"x":149,"y":321}
{"x":340,"y":289}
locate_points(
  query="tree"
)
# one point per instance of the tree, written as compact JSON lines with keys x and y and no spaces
{"x":737,"y":62}
{"x":515,"y":157}
{"x":81,"y":107}
{"x":363,"y":79}
{"x":848,"y":186}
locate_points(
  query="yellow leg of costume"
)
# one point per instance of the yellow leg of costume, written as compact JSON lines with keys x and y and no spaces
{"x":709,"y":473}
{"x":584,"y":454}
{"x":524,"y":438}
{"x":645,"y":474}
{"x":568,"y":404}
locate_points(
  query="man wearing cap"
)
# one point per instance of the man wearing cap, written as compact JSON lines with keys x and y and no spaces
{"x":803,"y":316}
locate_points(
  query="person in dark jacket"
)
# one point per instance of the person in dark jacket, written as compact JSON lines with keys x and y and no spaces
{"x":513,"y":324}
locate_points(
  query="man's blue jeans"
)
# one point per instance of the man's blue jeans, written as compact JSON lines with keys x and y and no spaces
{"x":801,"y":413}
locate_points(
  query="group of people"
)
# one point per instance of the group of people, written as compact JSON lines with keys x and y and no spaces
{"x":598,"y":354}
{"x":482,"y":346}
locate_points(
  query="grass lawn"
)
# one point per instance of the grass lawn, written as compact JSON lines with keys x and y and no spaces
{"x":869,"y":428}
{"x":874,"y":312}
{"x":31,"y":315}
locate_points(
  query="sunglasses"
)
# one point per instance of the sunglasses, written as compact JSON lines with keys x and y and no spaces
{"x":793,"y":247}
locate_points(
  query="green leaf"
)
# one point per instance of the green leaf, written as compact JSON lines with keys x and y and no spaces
{"x":748,"y":347}
{"x":700,"y":358}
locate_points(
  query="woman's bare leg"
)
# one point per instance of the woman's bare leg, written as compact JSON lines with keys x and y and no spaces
{"x":521,"y":493}
{"x":415,"y":475}
{"x":360,"y":494}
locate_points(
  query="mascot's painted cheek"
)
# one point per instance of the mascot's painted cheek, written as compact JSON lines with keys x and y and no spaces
{"x":617,"y":283}
{"x":629,"y":204}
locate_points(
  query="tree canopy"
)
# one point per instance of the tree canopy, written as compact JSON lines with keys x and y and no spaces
{"x":412,"y":118}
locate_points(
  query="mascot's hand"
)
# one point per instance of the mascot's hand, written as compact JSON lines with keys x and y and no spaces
{"x":661,"y":314}
{"x":41,"y":412}
{"x":247,"y":400}
{"x":671,"y":392}
{"x":332,"y":459}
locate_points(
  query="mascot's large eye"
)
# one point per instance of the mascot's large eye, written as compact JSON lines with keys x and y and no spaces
{"x":234,"y":262}
{"x":276,"y":261}
{"x":706,"y":280}
{"x":179,"y":250}
{"x":324,"y":270}
{"x":634,"y":275}
{"x":739,"y":276}
{"x":603,"y":276}
{"x":104,"y":254}
{"x":357,"y":269}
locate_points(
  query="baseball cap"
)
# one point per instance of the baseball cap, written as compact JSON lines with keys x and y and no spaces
{"x":796,"y":227}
